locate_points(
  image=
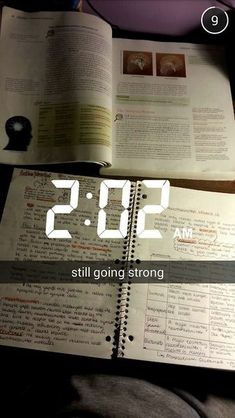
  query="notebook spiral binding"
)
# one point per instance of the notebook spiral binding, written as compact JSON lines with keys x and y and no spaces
{"x":124,"y":292}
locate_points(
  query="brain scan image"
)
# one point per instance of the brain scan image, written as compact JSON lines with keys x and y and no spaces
{"x":137,"y":63}
{"x":170,"y":65}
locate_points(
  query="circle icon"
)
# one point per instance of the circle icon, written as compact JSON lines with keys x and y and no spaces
{"x":89,"y":195}
{"x":214,"y":20}
{"x":87,"y":222}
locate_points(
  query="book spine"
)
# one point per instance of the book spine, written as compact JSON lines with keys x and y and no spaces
{"x":124,"y":290}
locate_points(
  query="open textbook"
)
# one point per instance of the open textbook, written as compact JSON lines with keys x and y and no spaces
{"x":69,"y":92}
{"x":180,"y":323}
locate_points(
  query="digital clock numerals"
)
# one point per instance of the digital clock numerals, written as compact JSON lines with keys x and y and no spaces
{"x":51,"y":232}
{"x":164,"y":185}
{"x":102,"y":232}
{"x":125,"y":185}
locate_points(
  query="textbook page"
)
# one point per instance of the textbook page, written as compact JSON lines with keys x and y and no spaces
{"x":55,"y":87}
{"x":183,"y":323}
{"x":72,"y":318}
{"x":172,"y":111}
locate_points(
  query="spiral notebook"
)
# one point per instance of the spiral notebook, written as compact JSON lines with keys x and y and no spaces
{"x":180,"y":323}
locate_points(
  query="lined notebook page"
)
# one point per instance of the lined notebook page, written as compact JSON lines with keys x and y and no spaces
{"x":73,"y":318}
{"x":191,"y":324}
